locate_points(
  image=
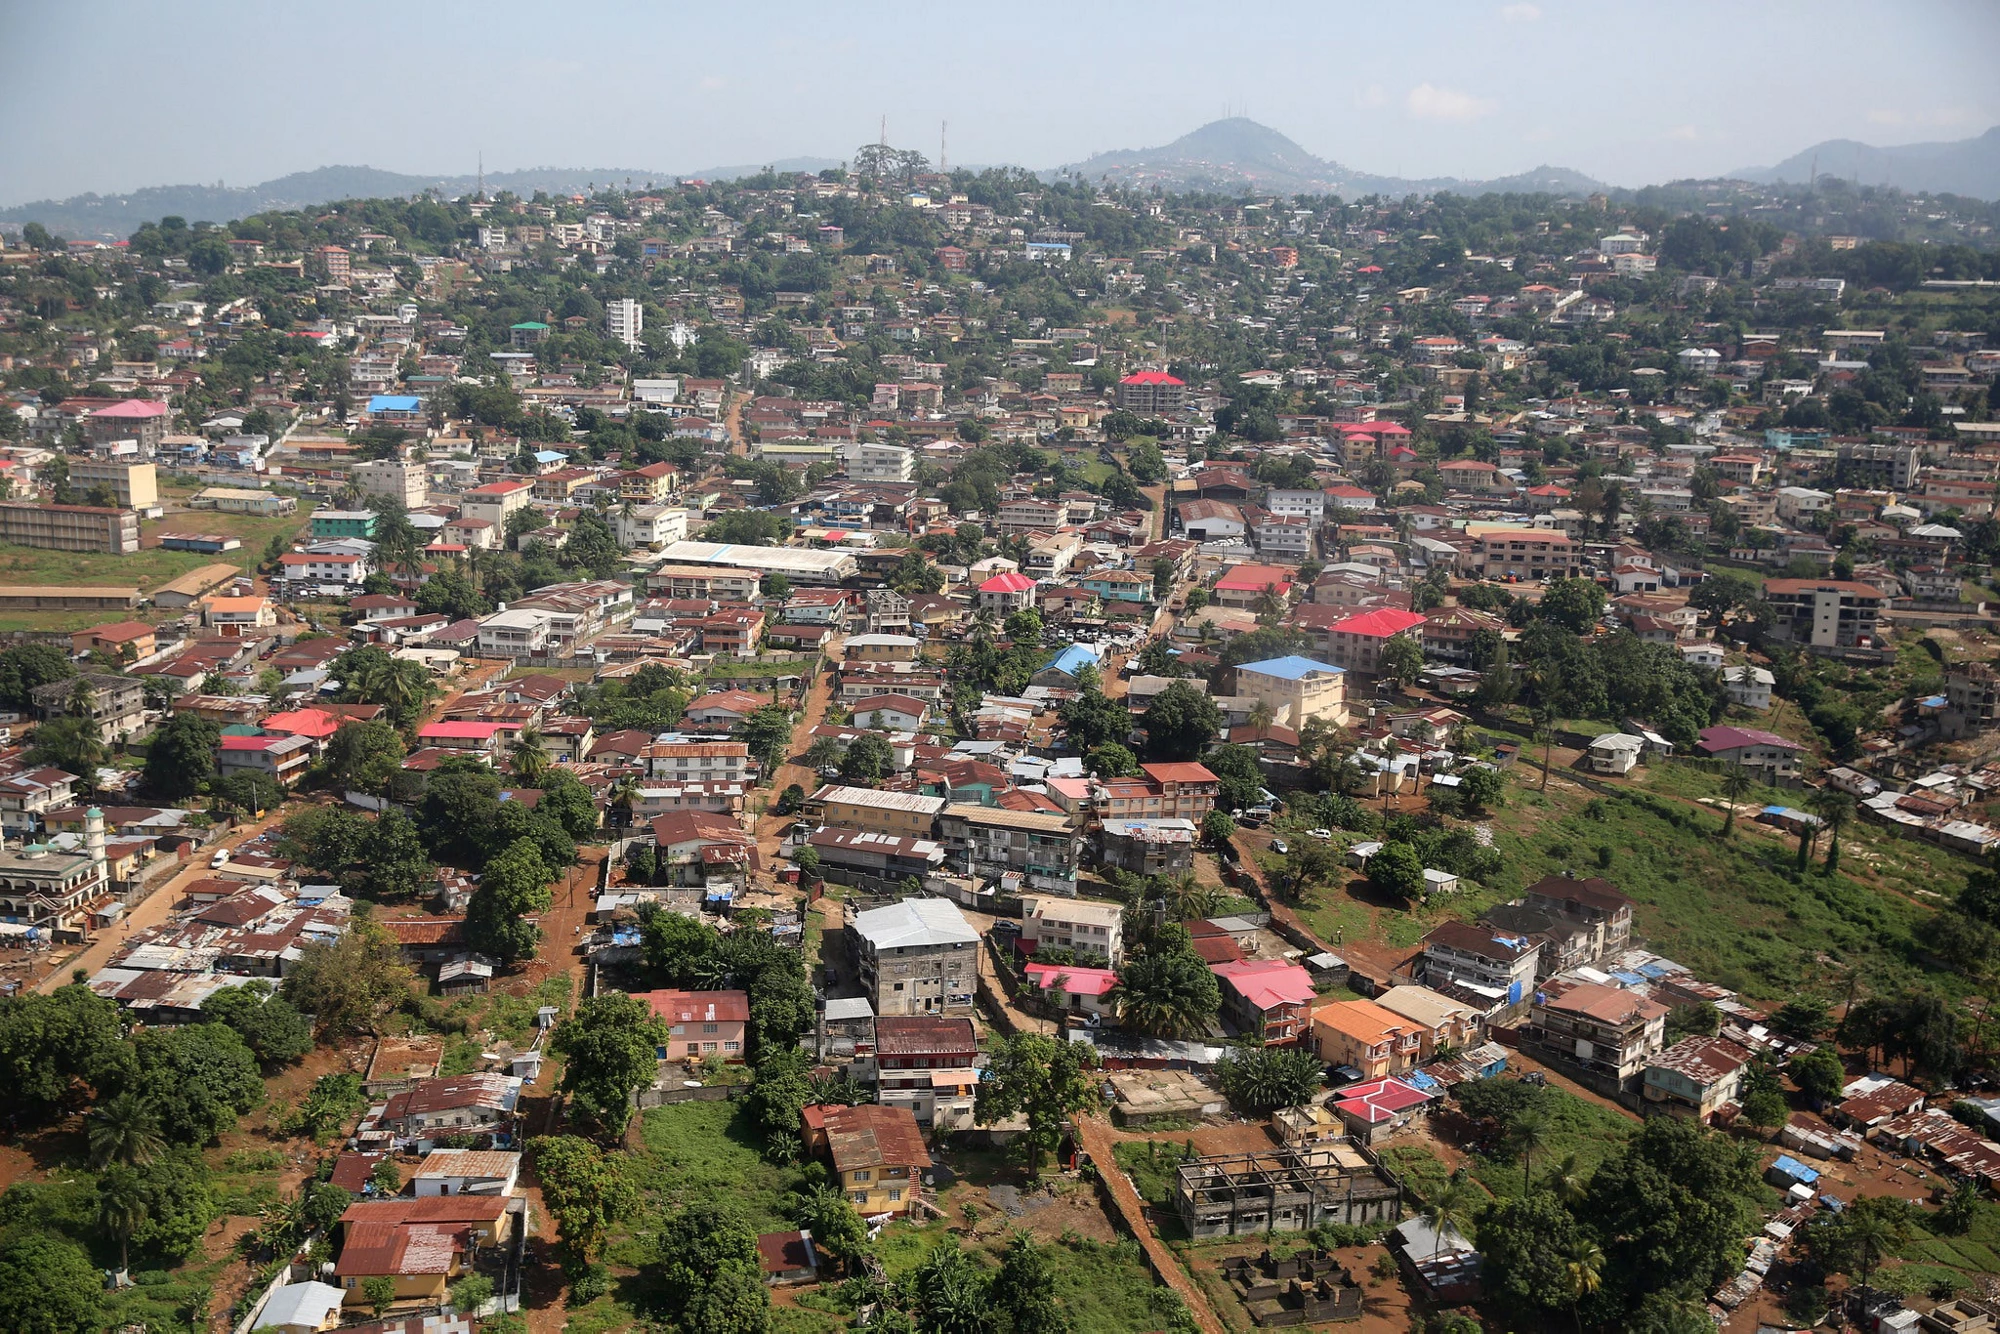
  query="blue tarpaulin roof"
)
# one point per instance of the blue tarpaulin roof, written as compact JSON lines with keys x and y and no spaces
{"x":1072,"y":659}
{"x":393,"y":403}
{"x":1795,"y":1169}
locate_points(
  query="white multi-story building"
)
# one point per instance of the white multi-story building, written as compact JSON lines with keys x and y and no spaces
{"x":1309,"y":502}
{"x":625,"y":320}
{"x":396,"y":479}
{"x":649,"y":525}
{"x":514,"y":634}
{"x":870,"y":462}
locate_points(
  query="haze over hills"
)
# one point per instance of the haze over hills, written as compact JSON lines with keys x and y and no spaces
{"x":120,"y":215}
{"x":1959,"y":167}
{"x":1231,"y":155}
{"x":1226,"y":156}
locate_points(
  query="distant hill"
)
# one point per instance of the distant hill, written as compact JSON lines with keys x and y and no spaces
{"x":1968,"y":167}
{"x":1232,"y":155}
{"x":114,"y":216}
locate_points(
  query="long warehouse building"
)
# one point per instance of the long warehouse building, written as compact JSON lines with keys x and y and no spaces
{"x":801,"y":565}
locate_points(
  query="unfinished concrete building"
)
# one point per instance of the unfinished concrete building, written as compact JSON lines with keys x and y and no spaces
{"x":1289,"y":1189}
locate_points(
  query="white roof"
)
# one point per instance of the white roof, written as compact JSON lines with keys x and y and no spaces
{"x":1619,"y":741}
{"x":914,"y":923}
{"x":306,"y":1304}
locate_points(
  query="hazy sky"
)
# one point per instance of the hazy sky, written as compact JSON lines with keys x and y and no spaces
{"x":108,"y":96}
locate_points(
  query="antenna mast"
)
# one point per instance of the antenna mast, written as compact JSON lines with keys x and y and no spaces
{"x":482,"y":173}
{"x":885,"y":131}
{"x":943,"y":125}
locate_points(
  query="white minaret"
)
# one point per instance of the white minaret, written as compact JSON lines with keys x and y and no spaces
{"x":93,"y":842}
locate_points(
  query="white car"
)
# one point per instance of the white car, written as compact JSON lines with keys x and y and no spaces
{"x":219,"y":860}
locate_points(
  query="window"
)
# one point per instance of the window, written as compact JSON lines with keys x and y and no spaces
{"x":861,"y":1176}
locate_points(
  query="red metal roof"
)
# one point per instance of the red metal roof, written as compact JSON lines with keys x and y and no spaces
{"x":1150,"y":377}
{"x":1380,"y":623}
{"x":1011,"y":582}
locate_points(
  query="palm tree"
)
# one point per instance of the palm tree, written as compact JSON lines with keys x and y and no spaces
{"x":1391,"y":749}
{"x":1530,"y":1136}
{"x":1262,"y":714}
{"x":1872,"y":1236}
{"x":1735,"y":782}
{"x":1545,"y":732}
{"x":121,"y":1208}
{"x":1165,"y":996}
{"x":1450,"y":1210}
{"x":983,"y":621}
{"x":1584,"y":1273}
{"x":1568,"y":1180}
{"x":528,"y":756}
{"x":82,"y":698}
{"x":1834,"y":808}
{"x":1187,"y":898}
{"x":124,"y":1130}
{"x":623,"y":793}
{"x":823,"y":753}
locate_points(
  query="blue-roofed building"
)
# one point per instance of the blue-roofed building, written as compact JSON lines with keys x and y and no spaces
{"x":1298,"y":689}
{"x":395,"y":407}
{"x":1060,"y":672}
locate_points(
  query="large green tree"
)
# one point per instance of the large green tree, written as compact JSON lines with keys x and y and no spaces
{"x":269,"y":1025}
{"x":350,"y":985}
{"x":709,"y":1272}
{"x":608,"y":1052}
{"x":50,"y":1045}
{"x":363,"y":756}
{"x":1043,"y":1079}
{"x":197,"y":1079}
{"x":1181,"y":723}
{"x":513,"y":887}
{"x":182,"y":756}
{"x":48,"y":1285}
{"x":585,"y":1189}
{"x":27,"y":667}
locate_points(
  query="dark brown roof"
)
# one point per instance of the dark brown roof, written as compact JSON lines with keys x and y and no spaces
{"x":924,"y":1035}
{"x":875,"y":1136}
{"x":1482,"y":941}
{"x":1594,"y":892}
{"x":352,"y":1170}
{"x":784,"y":1252}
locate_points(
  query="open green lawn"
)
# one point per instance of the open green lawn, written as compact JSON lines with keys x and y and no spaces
{"x":1575,"y":1127}
{"x":708,"y":1151}
{"x":1732,"y":910}
{"x":1962,"y":1260}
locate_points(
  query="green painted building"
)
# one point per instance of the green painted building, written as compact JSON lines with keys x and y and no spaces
{"x":343,"y":523}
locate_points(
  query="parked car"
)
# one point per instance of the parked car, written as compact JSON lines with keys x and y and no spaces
{"x":219,"y":860}
{"x":1279,"y":846}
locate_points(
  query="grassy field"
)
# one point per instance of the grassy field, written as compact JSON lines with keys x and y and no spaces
{"x":1963,"y":1261}
{"x":708,"y":1150}
{"x":145,"y":569}
{"x":1575,"y":1128}
{"x":1733,"y":910}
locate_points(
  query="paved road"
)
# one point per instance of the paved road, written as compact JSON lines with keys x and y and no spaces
{"x":152,"y":910}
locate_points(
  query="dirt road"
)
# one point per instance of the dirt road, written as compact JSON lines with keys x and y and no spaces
{"x":1097,"y":1141}
{"x":818,"y":696}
